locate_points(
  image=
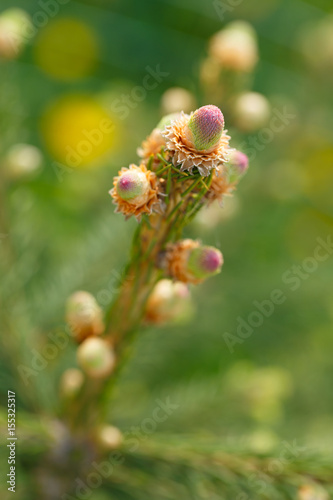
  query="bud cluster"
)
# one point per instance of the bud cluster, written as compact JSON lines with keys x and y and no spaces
{"x":186,"y":164}
{"x":95,"y":356}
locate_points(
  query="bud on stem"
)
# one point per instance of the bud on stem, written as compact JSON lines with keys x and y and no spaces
{"x":190,"y":262}
{"x":96,"y":357}
{"x":204,"y":262}
{"x":84,"y":316}
{"x":204,"y":128}
{"x":132,"y":186}
{"x":237,"y":166}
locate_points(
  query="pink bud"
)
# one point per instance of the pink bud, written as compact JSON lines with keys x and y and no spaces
{"x":205,"y":127}
{"x":205,"y":261}
{"x":131,"y":185}
{"x":239,"y":161}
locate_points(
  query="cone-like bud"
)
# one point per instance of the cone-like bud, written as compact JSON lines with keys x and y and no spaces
{"x":237,"y":165}
{"x":251,"y":111}
{"x":204,"y":262}
{"x":235,"y":47}
{"x":190,"y":262}
{"x":71,"y":382}
{"x":21,"y":161}
{"x":204,"y":128}
{"x":96,"y":357}
{"x":169,"y":301}
{"x":135,"y":191}
{"x":239,"y":161}
{"x":109,"y":437}
{"x":84,"y":316}
{"x":198,"y":141}
{"x":15,"y":31}
{"x":133,"y":186}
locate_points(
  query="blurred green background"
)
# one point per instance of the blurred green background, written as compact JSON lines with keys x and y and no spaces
{"x":64,"y":236}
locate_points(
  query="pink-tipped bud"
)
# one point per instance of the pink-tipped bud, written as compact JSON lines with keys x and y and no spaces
{"x":190,"y":262}
{"x":238,"y":163}
{"x":84,"y":316}
{"x":133,"y":186}
{"x":204,"y":128}
{"x":96,"y":357}
{"x":135,"y":189}
{"x":204,"y":262}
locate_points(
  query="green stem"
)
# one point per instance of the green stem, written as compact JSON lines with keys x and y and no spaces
{"x":124,"y":317}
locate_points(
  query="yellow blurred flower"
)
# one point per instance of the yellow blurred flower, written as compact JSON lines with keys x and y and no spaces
{"x":78,"y":131}
{"x":66,"y":49}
